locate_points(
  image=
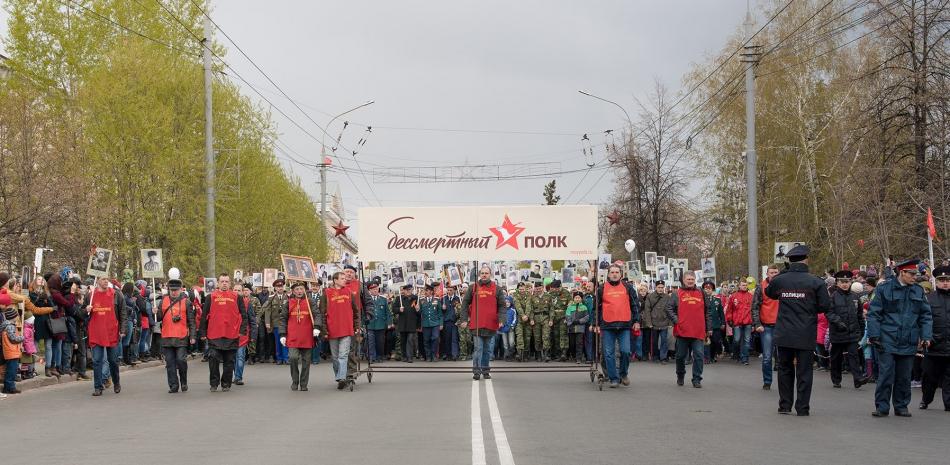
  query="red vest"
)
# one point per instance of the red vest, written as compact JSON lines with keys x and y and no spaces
{"x":103,"y":324}
{"x":170,"y":329}
{"x":768,"y":311}
{"x":484,"y":309}
{"x":224,"y":318}
{"x":691,"y":313}
{"x":299,"y":324}
{"x":339,"y":313}
{"x":616,"y":303}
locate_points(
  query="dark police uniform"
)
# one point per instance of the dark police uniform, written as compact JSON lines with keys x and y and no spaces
{"x":937,"y":358}
{"x":802,"y":296}
{"x":846,"y":328}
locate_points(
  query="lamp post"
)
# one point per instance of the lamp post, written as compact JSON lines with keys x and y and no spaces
{"x":324,"y":162}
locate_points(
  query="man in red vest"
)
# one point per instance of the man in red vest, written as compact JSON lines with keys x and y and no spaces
{"x":764,"y":313}
{"x":300,"y":321}
{"x":106,"y":310}
{"x":618,"y":310}
{"x":341,"y":318}
{"x":177,"y":316}
{"x":223,"y":322}
{"x":739,"y":316}
{"x":364,"y":303}
{"x":690,"y":316}
{"x":483,"y":312}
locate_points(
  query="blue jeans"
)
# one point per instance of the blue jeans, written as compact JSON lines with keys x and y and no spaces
{"x":315,"y":353}
{"x":125,"y":340}
{"x":430,"y":341}
{"x":282,"y":354}
{"x":340,"y":352}
{"x":610,"y":338}
{"x":684,"y":345}
{"x":661,"y":344}
{"x":145,"y":342}
{"x":893,"y":381}
{"x":481,"y":355}
{"x":638,"y":346}
{"x":239,"y":360}
{"x":742,"y":335}
{"x":766,"y":337}
{"x":54,"y":353}
{"x":99,"y":355}
{"x":9,"y":378}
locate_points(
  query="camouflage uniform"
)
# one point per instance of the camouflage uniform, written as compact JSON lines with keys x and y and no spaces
{"x":558,"y":299}
{"x":540,"y":331}
{"x":522,"y":300}
{"x":465,"y":341}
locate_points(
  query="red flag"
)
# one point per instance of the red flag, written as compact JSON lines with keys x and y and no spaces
{"x":931,"y":228}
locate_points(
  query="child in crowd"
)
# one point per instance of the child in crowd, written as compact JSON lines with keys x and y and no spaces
{"x":507,"y":332}
{"x":578,"y":316}
{"x":28,"y":358}
{"x":11,"y":339}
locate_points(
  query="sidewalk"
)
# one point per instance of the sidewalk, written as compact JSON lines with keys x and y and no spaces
{"x":42,"y":381}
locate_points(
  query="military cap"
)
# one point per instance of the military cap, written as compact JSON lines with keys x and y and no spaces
{"x":798,"y":253}
{"x":942,"y":272}
{"x":908,"y":265}
{"x":844,"y":274}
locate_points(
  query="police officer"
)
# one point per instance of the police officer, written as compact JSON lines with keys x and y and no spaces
{"x":899,"y":319}
{"x":846,"y":328}
{"x":802,"y":296}
{"x":937,"y":358}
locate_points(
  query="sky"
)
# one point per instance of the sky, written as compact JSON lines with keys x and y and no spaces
{"x":464,"y":82}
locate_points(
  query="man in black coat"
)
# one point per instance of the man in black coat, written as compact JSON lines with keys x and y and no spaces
{"x":406,"y":311}
{"x":937,"y":357}
{"x":802,"y":296}
{"x":846,"y":328}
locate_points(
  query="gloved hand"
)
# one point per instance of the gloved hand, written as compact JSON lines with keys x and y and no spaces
{"x":283,"y":341}
{"x":316,"y":332}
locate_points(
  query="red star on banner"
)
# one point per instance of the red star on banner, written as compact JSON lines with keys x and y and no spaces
{"x":614,"y":217}
{"x":507,"y":234}
{"x":340,"y":229}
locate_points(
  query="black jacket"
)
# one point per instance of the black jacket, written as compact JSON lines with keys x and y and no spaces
{"x":408,"y":320}
{"x":845,"y":317}
{"x":802,"y":296}
{"x":940,"y":308}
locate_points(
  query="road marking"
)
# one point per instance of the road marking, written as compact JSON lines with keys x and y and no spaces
{"x":478,"y":440}
{"x":501,"y":439}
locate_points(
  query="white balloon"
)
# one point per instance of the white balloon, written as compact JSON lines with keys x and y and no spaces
{"x":629,"y":245}
{"x":174,"y":273}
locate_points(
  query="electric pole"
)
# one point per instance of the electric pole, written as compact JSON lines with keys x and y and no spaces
{"x":209,"y":150}
{"x":750,"y":56}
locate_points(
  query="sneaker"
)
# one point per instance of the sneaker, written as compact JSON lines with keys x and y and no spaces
{"x":304,"y":388}
{"x":226,"y":389}
{"x":486,"y":376}
{"x":836,"y":385}
{"x":97,"y":392}
{"x":341,"y":384}
{"x":879,"y":414}
{"x":294,"y":387}
{"x":214,"y":389}
{"x":915,"y":384}
{"x":614,"y":385}
{"x":697,"y":384}
{"x":902,"y":413}
{"x":3,"y":395}
{"x":476,"y":377}
{"x":625,"y":380}
{"x":239,"y":382}
{"x":766,"y":387}
{"x":172,"y":390}
{"x":784,"y":411}
{"x":922,"y":406}
{"x":184,"y":388}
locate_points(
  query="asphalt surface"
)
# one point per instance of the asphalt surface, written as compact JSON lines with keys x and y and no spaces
{"x":426,"y":418}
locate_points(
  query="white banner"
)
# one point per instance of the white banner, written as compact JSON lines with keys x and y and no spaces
{"x":478,"y":233}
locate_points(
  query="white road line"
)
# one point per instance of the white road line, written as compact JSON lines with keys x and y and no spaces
{"x":478,"y":439}
{"x":501,"y":439}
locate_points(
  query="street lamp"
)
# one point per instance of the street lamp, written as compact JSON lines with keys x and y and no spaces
{"x":324,"y":164}
{"x":627,"y":115}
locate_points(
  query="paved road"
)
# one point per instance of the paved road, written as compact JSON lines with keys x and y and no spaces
{"x":549,"y":418}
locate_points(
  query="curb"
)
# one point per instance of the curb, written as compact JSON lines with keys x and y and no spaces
{"x":41,"y":381}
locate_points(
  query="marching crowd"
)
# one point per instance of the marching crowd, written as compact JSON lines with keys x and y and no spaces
{"x":884,"y":329}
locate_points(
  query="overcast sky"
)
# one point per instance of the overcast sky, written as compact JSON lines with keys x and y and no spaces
{"x":472,"y":67}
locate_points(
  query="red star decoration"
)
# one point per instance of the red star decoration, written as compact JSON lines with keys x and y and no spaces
{"x":613,"y":217}
{"x":340,"y":229}
{"x":507,"y":234}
